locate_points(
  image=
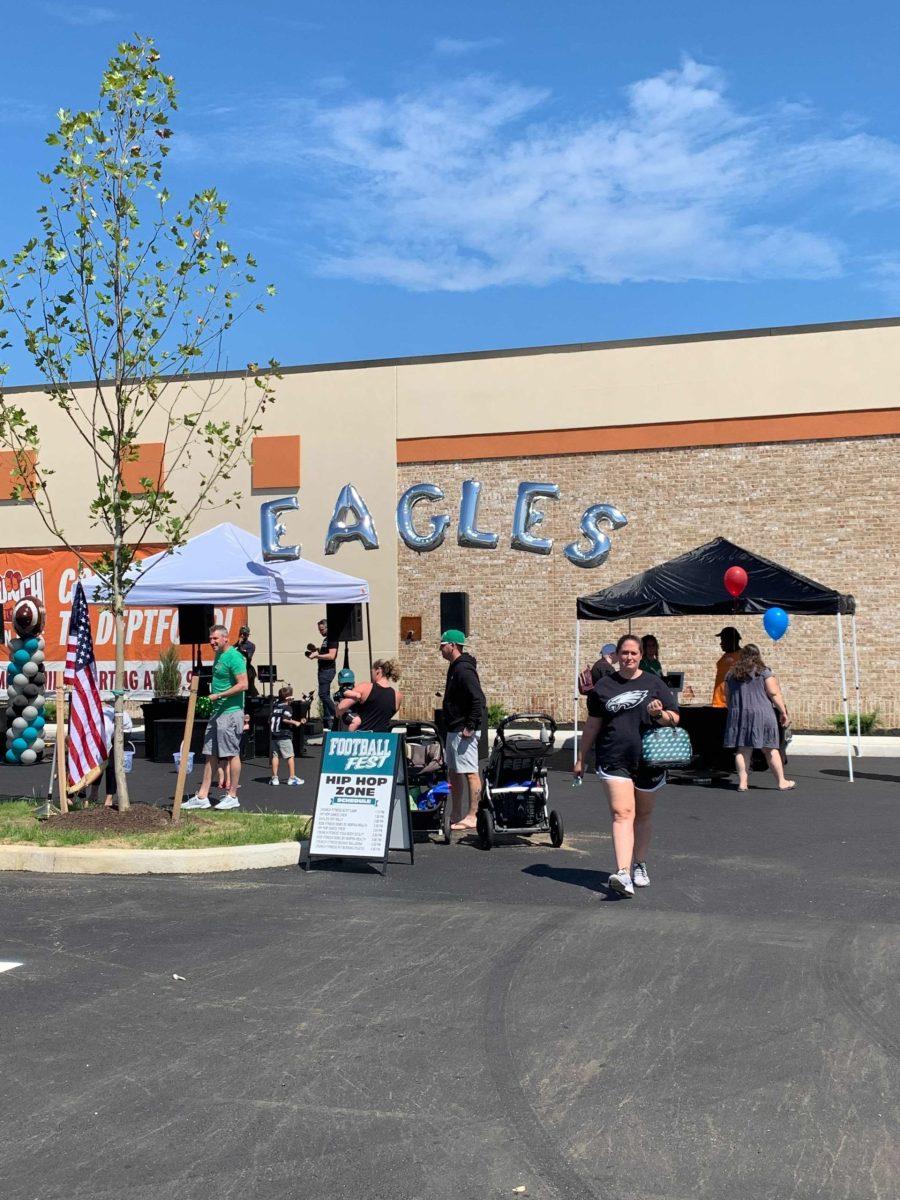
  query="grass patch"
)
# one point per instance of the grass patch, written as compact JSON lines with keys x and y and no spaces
{"x":197,"y":830}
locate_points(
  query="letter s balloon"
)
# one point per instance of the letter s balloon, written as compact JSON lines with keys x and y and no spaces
{"x":600,"y":545}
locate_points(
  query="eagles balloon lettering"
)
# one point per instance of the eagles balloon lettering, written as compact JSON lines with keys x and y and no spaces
{"x":351,"y":521}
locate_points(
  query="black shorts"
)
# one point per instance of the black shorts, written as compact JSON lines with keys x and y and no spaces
{"x":644,"y":778}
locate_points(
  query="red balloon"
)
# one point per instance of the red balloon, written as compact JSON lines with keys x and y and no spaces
{"x":735,"y":581}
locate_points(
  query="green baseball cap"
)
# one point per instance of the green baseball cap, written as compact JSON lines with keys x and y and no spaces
{"x":455,"y":636}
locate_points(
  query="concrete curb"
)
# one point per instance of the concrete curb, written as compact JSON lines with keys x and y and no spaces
{"x":108,"y":860}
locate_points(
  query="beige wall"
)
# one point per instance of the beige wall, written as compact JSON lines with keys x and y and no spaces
{"x":682,"y":381}
{"x":346,"y":422}
{"x":811,"y":505}
{"x":826,"y":509}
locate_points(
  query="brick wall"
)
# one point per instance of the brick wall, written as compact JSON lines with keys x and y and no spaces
{"x":826,"y":509}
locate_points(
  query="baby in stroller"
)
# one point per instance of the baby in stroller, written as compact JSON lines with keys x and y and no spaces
{"x":426,"y":774}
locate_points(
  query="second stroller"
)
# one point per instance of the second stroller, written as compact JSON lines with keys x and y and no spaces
{"x":515,"y":792}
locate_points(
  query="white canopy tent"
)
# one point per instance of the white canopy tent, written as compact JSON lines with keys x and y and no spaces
{"x":224,"y":566}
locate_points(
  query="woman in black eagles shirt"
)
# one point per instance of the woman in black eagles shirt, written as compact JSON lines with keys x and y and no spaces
{"x":621,"y":708}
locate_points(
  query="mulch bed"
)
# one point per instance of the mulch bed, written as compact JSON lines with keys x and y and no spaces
{"x":139,"y":818}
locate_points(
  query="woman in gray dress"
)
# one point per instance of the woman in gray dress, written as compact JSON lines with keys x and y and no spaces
{"x":755,"y":709}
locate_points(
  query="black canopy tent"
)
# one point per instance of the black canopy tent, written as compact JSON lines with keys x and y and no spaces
{"x":691,"y":585}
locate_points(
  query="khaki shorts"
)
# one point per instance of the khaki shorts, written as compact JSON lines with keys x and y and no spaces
{"x":283,"y":747}
{"x":223,"y":734}
{"x":462,"y":753}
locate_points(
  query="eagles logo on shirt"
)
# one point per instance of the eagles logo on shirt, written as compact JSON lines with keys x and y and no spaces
{"x":626,"y":700}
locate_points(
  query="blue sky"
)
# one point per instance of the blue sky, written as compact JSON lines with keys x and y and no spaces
{"x":435,"y":178}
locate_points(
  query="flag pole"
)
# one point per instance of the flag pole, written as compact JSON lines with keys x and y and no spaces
{"x":61,"y":771}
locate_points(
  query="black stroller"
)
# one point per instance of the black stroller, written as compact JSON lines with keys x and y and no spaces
{"x":426,"y":773}
{"x":514,"y":792}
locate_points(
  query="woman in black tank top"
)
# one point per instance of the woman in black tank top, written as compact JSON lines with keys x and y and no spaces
{"x":371,"y":706}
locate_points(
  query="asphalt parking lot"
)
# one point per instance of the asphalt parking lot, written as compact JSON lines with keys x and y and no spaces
{"x":478,"y":1022}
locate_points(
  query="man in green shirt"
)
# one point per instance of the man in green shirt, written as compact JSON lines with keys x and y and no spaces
{"x":226,"y":721}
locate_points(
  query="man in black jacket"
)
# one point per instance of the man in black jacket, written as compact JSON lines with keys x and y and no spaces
{"x":464,"y":711}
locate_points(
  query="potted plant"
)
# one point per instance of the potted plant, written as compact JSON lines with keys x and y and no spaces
{"x":166,"y":704}
{"x":167,"y":676}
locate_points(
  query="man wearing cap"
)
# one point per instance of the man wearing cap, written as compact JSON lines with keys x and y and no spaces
{"x":464,"y":711}
{"x":730,"y":641}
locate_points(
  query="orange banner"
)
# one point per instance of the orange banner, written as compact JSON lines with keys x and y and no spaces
{"x":49,"y":576}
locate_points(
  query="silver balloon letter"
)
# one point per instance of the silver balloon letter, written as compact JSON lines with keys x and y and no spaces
{"x":271,"y":530}
{"x":351,"y":521}
{"x":526,"y":518}
{"x":468,"y":533}
{"x":437,"y":526}
{"x":600,"y":544}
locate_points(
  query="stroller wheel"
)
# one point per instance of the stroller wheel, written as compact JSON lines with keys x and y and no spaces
{"x":485,"y":828}
{"x":445,"y":825}
{"x":557,"y":833}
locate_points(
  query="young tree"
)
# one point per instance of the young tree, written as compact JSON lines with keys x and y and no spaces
{"x":119,"y":290}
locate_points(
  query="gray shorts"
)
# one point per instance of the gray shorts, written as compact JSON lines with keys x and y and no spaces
{"x":223,"y":734}
{"x":462,"y":753}
{"x":283,"y":747}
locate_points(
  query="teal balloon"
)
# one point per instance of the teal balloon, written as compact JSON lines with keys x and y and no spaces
{"x":775,"y":623}
{"x":38,"y":723}
{"x":19,"y":744}
{"x":11,"y":756}
{"x":21,"y":657}
{"x":31,"y":645}
{"x":29,"y":734}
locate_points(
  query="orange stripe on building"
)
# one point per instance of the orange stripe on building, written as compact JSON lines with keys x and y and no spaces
{"x":800,"y":427}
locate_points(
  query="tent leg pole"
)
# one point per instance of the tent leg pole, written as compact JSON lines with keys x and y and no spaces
{"x":369,"y":637}
{"x":844,"y":703}
{"x":575,"y":723}
{"x":271,"y":655}
{"x":856,"y":687}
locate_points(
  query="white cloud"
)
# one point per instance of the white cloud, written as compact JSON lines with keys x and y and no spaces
{"x":473,"y":184}
{"x":81,"y":14}
{"x":23,"y":112}
{"x":454,"y":47}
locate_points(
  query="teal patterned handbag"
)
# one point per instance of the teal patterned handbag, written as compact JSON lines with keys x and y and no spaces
{"x":667,"y":746}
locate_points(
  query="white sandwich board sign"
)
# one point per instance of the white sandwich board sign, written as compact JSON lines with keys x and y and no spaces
{"x":362,"y":805}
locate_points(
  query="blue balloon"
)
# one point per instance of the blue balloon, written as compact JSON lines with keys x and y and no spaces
{"x":19,"y":744}
{"x":31,"y":645}
{"x":29,"y":734}
{"x":38,"y":723}
{"x":775,"y":623}
{"x":21,"y":657}
{"x":11,"y":756}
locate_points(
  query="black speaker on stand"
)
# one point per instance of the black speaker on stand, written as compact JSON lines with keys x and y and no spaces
{"x":194,"y":624}
{"x":345,"y":622}
{"x":455,"y":611}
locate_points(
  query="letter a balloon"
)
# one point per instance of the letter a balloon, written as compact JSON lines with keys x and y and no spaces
{"x":735,"y":580}
{"x":775,"y":623}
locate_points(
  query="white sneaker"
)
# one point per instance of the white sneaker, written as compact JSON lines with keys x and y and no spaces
{"x":275,"y":781}
{"x":295,"y":781}
{"x":621,"y":883}
{"x":639,"y":875}
{"x":228,"y":802}
{"x":197,"y":802}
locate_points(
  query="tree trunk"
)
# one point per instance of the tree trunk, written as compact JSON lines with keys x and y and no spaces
{"x":119,"y":734}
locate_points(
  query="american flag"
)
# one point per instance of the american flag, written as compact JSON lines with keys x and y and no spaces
{"x":87,"y":737}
